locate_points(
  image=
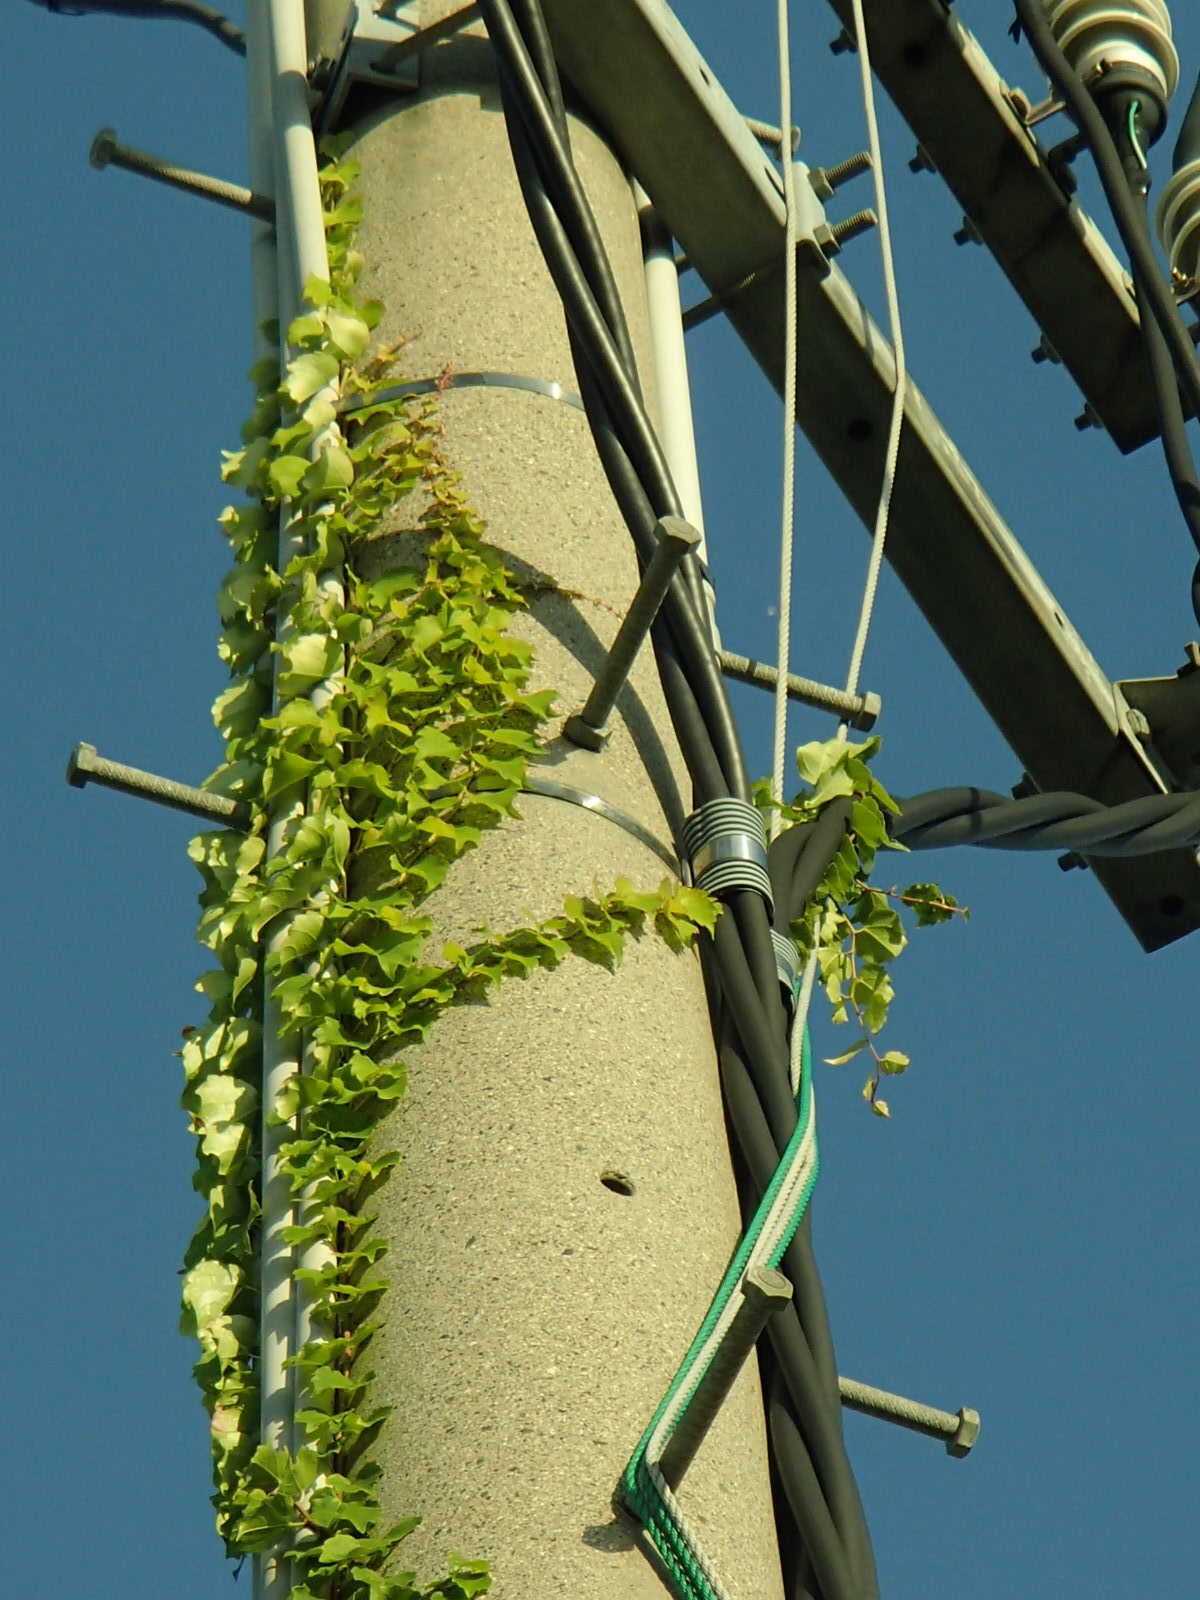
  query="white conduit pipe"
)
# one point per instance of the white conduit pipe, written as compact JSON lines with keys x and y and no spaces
{"x":276,"y":1407}
{"x":676,"y":430}
{"x":300,"y":231}
{"x":296,"y":159}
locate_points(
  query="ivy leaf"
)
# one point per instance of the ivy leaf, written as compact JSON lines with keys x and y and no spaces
{"x":307,"y":659}
{"x":848,"y":1055}
{"x":332,"y":469}
{"x":308,"y":373}
{"x":348,"y":334}
{"x":207,"y":1290}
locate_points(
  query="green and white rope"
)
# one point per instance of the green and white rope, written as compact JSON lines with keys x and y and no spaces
{"x":645,"y":1490}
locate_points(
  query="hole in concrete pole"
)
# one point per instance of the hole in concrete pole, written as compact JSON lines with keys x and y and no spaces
{"x":618,"y":1182}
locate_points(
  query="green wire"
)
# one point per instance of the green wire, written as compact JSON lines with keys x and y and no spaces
{"x":638,"y":1488}
{"x":1135,"y":107}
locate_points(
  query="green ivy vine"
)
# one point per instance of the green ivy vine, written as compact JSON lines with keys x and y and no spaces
{"x":389,"y":724}
{"x":376,"y":736}
{"x":857,"y":931}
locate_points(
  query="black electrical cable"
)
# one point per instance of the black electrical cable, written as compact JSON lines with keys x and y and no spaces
{"x":590,"y":333}
{"x":538,"y":94}
{"x":800,"y":1336}
{"x":1052,"y":821}
{"x":1091,"y":124}
{"x":1181,"y":468}
{"x":181,"y":10}
{"x":715,"y":731}
{"x":817,"y":1420}
{"x":748,"y":1001}
{"x":546,"y":124}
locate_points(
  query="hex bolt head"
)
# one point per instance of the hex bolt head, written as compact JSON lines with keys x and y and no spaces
{"x":104,"y":146}
{"x":81,"y":765}
{"x":921,"y":161}
{"x":968,"y":1432}
{"x":1089,"y":417}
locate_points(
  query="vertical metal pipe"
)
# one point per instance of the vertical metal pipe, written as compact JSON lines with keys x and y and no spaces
{"x":300,"y":255}
{"x":270,"y":1579}
{"x":296,"y":158}
{"x":669,"y":359}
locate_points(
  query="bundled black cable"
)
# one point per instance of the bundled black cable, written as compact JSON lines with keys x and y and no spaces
{"x":823,"y":1535}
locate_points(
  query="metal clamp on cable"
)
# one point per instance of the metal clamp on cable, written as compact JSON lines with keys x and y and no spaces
{"x":787,"y":965}
{"x":726,"y":844}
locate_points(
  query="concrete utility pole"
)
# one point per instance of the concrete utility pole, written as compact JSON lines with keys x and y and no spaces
{"x":565,"y":1206}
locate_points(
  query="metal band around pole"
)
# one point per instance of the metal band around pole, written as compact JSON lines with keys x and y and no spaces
{"x":551,"y":789}
{"x":548,"y":387}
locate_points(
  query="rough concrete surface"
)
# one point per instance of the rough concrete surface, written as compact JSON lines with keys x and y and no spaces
{"x":538,"y":1310}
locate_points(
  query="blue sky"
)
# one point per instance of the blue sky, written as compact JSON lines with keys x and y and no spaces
{"x":1019,"y":1238}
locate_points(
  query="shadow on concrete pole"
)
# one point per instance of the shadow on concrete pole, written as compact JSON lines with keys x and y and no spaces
{"x":565,"y":1205}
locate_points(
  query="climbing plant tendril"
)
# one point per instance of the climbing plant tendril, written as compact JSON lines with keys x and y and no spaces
{"x":855,"y":929}
{"x":402,"y":727}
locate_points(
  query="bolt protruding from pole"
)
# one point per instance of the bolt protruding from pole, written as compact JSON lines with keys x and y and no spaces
{"x":958,"y":1430}
{"x":764,"y":1292}
{"x":861,"y":711}
{"x":85,"y":767}
{"x":1089,"y":417}
{"x":107,"y":150}
{"x":589,"y":727}
{"x":102,"y":149}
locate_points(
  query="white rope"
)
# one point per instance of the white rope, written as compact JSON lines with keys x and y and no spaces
{"x":799,"y":1022}
{"x":787,"y":528}
{"x":893,"y":307}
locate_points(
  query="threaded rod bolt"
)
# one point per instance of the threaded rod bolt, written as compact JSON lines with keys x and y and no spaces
{"x":107,"y":150}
